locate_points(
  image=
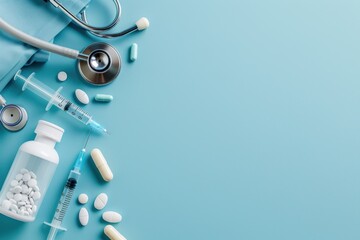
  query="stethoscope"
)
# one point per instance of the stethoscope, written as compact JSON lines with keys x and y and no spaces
{"x":99,"y":63}
{"x":12,"y":117}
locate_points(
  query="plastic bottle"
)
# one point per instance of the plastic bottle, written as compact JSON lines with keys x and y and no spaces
{"x":31,"y":173}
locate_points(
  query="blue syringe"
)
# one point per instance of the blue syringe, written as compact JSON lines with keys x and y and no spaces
{"x":66,"y":195}
{"x":54,"y":98}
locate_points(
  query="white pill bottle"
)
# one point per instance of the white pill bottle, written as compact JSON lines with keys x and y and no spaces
{"x":31,"y":173}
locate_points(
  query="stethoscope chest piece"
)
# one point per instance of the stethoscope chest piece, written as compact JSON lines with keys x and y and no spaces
{"x":13,"y":117}
{"x":102,"y":66}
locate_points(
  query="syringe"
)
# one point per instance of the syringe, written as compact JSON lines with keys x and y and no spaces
{"x":55,"y":98}
{"x":66,"y":195}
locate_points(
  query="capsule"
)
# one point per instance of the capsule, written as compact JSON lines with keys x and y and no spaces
{"x":112,"y":233}
{"x":101,"y":164}
{"x":133,"y":52}
{"x":103,"y":98}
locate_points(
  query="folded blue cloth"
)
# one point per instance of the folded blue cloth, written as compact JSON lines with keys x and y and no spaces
{"x":34,"y":17}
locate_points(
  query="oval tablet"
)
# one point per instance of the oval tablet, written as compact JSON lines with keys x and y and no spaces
{"x":103,"y":98}
{"x":101,"y":201}
{"x":83,"y":216}
{"x":112,"y":217}
{"x":112,"y":233}
{"x":101,"y":164}
{"x":83,"y":198}
{"x":81,"y":96}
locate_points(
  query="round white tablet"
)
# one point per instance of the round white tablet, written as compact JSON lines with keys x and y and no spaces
{"x":83,"y":198}
{"x":62,"y":76}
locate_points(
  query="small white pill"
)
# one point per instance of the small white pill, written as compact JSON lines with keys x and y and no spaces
{"x":81,"y":96}
{"x":83,"y":216}
{"x":21,"y":203}
{"x":14,"y":207}
{"x":26,"y":177}
{"x":101,"y":164}
{"x":36,"y":196}
{"x":62,"y":76}
{"x":24,"y":170}
{"x":9,"y":195}
{"x":6,"y":204}
{"x":100,"y":201}
{"x":33,"y":175}
{"x":112,"y":217}
{"x":34,"y":208}
{"x":112,"y":233}
{"x":14,"y":183}
{"x":17,"y":197}
{"x":19,"y":177}
{"x":17,"y":189}
{"x":26,"y":213}
{"x":36,"y":188}
{"x":83,"y":198}
{"x":12,"y":201}
{"x":24,"y":189}
{"x":32,"y":183}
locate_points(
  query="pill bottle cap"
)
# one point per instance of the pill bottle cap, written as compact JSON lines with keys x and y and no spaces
{"x":49,"y":130}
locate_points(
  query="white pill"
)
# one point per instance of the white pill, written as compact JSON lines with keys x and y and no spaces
{"x":30,"y":211}
{"x":83,"y":198}
{"x":6,"y":204}
{"x":83,"y":216}
{"x":17,"y":197}
{"x":34,"y":208}
{"x":62,"y":76}
{"x":21,"y":203}
{"x":26,"y":213}
{"x":17,"y":189}
{"x":9,"y":195}
{"x":112,"y":233}
{"x":33,"y":175}
{"x":12,"y":201}
{"x":36,"y":196}
{"x":32,"y":183}
{"x":32,"y":201}
{"x":14,"y":183}
{"x":112,"y":217}
{"x":26,"y":177}
{"x":101,"y":164}
{"x":19,"y":177}
{"x":14,"y":207}
{"x":24,"y":189}
{"x":36,"y":188}
{"x":81,"y":96}
{"x":100,"y":201}
{"x":24,"y":170}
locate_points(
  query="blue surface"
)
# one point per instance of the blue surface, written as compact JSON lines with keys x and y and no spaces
{"x":239,"y":120}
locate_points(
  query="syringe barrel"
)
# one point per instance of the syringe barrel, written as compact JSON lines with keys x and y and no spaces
{"x":35,"y":86}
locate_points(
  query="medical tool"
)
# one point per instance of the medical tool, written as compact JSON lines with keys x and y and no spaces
{"x":30,"y":174}
{"x":55,"y":98}
{"x":101,"y":31}
{"x":98,"y":64}
{"x":67,"y":194}
{"x":12,"y":117}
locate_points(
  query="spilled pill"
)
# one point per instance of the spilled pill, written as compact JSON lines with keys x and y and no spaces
{"x":101,"y":164}
{"x":112,"y":233}
{"x":103,"y":98}
{"x":83,"y":216}
{"x":112,"y":217}
{"x":81,"y":96}
{"x":83,"y":198}
{"x":62,"y":76}
{"x":101,"y":201}
{"x":133,"y":52}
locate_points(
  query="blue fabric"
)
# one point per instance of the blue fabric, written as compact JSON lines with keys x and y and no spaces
{"x":34,"y":17}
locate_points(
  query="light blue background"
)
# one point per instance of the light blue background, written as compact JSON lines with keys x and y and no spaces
{"x":239,"y":120}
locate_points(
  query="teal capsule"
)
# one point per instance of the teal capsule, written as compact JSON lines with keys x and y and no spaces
{"x":103,"y":98}
{"x":133,"y":52}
